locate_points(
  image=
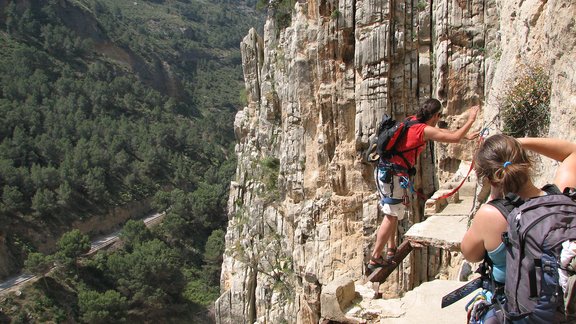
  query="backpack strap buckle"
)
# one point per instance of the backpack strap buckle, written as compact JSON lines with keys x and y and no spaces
{"x":514,"y":199}
{"x":505,"y":238}
{"x":570,"y":192}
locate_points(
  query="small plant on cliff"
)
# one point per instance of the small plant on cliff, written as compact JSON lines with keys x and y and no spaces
{"x":479,"y":48}
{"x":525,"y":106}
{"x":266,"y":255}
{"x":243,"y":97}
{"x":335,"y":14}
{"x":270,"y":171}
{"x":421,"y":5}
{"x":496,"y":53}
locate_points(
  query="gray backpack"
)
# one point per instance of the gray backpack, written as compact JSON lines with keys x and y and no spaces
{"x":536,"y":230}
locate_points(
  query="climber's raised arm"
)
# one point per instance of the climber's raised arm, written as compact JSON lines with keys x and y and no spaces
{"x":451,"y":136}
{"x":559,"y":150}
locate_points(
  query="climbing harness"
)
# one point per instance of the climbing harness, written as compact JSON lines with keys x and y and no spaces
{"x":483,"y":297}
{"x":385,"y":173}
{"x":404,"y":184}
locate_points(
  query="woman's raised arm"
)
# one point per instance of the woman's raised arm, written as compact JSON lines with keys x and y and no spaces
{"x":560,"y":150}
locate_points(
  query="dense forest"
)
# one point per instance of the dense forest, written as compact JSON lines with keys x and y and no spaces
{"x":105,"y":103}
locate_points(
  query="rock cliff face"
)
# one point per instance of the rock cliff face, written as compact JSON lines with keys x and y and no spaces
{"x":303,"y":208}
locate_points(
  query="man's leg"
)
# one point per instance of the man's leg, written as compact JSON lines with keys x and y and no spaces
{"x":391,"y":252}
{"x":388,"y":227}
{"x":386,"y":232}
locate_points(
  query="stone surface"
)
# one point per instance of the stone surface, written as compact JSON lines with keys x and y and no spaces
{"x":337,"y":296}
{"x":420,"y":305}
{"x":444,"y":228}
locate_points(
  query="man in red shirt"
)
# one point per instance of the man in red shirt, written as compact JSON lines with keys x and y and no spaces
{"x":391,"y":175}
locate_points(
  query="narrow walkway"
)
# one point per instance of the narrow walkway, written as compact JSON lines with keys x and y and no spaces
{"x":420,"y":305}
{"x":444,"y":227}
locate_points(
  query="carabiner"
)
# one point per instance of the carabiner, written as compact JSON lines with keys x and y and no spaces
{"x":405,"y":198}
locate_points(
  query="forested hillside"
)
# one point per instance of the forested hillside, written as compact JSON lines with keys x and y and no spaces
{"x":105,"y":103}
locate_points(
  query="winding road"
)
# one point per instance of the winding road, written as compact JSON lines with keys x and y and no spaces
{"x":14,"y":282}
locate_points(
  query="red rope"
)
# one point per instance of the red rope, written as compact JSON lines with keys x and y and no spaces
{"x":460,"y":185}
{"x":422,"y":196}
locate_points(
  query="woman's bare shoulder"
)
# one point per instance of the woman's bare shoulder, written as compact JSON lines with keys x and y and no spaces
{"x":489,"y":216}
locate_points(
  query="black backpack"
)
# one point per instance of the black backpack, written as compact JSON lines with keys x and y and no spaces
{"x":536,"y":230}
{"x":390,"y":133}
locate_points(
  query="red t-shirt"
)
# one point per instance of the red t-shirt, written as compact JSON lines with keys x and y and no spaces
{"x":414,"y":138}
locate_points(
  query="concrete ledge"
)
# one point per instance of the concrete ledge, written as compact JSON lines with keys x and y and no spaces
{"x":422,"y":305}
{"x":467,"y":189}
{"x":436,"y":204}
{"x":440,"y":231}
{"x":460,"y":208}
{"x":433,"y":206}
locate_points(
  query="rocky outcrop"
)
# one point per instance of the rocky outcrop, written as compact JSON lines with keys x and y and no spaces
{"x":303,"y":209}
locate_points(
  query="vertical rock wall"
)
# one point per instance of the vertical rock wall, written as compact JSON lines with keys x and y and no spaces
{"x":303,"y":208}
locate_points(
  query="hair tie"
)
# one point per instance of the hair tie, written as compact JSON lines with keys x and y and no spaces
{"x":507,"y":163}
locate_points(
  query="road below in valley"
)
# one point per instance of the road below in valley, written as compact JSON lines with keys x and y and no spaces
{"x":14,"y":282}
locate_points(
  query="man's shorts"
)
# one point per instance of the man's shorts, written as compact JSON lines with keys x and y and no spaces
{"x":385,"y":189}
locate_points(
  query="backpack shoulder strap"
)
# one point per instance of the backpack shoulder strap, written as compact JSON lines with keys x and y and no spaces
{"x":411,"y":120}
{"x":514,"y":199}
{"x":551,"y":189}
{"x":402,"y":133}
{"x":408,"y":122}
{"x":503,"y":205}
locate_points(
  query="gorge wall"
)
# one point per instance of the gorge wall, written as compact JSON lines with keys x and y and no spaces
{"x":303,"y":208}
